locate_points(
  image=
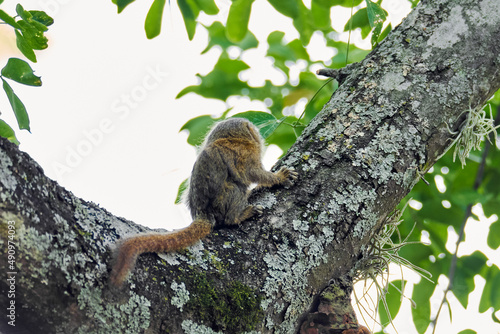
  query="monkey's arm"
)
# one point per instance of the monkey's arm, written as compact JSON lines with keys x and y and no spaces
{"x":268,"y":179}
{"x":243,"y":160}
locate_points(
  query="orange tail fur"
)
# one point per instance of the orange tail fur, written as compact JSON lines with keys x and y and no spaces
{"x":131,"y":248}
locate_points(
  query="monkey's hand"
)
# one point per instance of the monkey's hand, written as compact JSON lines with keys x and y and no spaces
{"x":265,"y":179}
{"x":286,"y":175}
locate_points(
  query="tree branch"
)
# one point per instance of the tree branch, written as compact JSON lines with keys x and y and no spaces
{"x":357,"y":159}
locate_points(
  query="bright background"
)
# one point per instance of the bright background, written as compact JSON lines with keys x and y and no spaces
{"x":107,"y":129}
{"x":105,"y":124}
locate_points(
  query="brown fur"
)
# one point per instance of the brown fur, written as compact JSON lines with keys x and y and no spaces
{"x":229,"y":162}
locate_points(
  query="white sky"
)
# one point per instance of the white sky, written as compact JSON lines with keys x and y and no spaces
{"x":105,"y":124}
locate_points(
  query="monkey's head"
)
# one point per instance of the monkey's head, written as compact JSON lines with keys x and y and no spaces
{"x":234,"y":128}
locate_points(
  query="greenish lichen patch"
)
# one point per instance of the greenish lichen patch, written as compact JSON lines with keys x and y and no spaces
{"x":196,"y":256}
{"x":353,"y":197}
{"x":267,"y":200}
{"x":394,"y":81}
{"x":368,"y":221}
{"x":287,"y":271}
{"x":181,"y":295}
{"x":330,"y":131}
{"x":35,"y":248}
{"x":299,"y":225}
{"x":110,"y":317}
{"x":380,"y":155}
{"x":292,"y":159}
{"x":489,"y":12}
{"x":450,"y":32}
{"x":190,"y":326}
{"x":6,"y":177}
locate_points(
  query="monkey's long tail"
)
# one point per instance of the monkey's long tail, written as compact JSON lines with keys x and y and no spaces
{"x":131,"y":248}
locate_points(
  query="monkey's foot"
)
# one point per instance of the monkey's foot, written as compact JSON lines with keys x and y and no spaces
{"x":257,"y":210}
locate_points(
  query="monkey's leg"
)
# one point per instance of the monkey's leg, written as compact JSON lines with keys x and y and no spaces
{"x":237,"y":206}
{"x":249,"y":212}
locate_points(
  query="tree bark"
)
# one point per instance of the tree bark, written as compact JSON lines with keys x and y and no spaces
{"x":385,"y":126}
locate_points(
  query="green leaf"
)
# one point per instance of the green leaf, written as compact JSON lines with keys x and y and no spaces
{"x":495,"y":318}
{"x":7,"y":132}
{"x":208,"y":6}
{"x":359,"y":20}
{"x":33,"y":34}
{"x":379,"y":38}
{"x":121,"y":4}
{"x":41,"y":17}
{"x":222,"y":81}
{"x":321,"y":15}
{"x":237,"y":20}
{"x":463,"y":281}
{"x":345,"y":3}
{"x":284,"y":53}
{"x":492,"y":207}
{"x":20,"y":71}
{"x":494,"y":235}
{"x":265,"y":122}
{"x":393,"y":300}
{"x":304,"y":23}
{"x":438,"y":234}
{"x":468,"y":331}
{"x":284,"y":136}
{"x":153,"y":19}
{"x":18,"y":107}
{"x":489,"y":297}
{"x":466,"y":197}
{"x":375,"y":35}
{"x":326,"y":4}
{"x":217,"y":36}
{"x":8,"y":19}
{"x":198,"y":128}
{"x":25,"y":15}
{"x":288,"y":8}
{"x":421,"y":313}
{"x":376,"y":15}
{"x":182,"y":189}
{"x":24,"y":47}
{"x":432,"y":209}
{"x":189,"y":13}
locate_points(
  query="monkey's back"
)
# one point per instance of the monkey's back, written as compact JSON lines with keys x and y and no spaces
{"x":218,"y":181}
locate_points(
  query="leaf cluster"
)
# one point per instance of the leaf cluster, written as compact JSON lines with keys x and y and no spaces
{"x":29,"y":28}
{"x":283,"y":102}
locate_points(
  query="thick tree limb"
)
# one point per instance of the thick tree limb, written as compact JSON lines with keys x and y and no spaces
{"x":386,"y":124}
